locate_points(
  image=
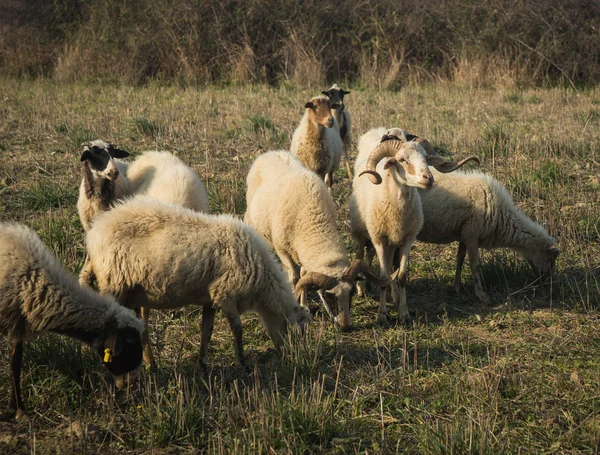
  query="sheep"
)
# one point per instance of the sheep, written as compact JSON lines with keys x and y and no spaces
{"x":148,"y":253}
{"x":387,"y":210}
{"x":475,"y":210}
{"x":292,"y":209}
{"x":316,"y":141}
{"x":341,"y":114}
{"x":38,"y":295}
{"x":165,"y":177}
{"x":103,"y":180}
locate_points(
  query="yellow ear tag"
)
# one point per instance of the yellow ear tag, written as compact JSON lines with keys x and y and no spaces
{"x":107,"y":355}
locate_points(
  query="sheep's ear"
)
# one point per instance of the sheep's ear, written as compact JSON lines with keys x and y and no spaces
{"x":344,"y":92}
{"x":118,"y":153}
{"x":389,"y":137}
{"x":114,"y":343}
{"x":553,"y":252}
{"x":390,"y":162}
{"x":86,"y":155}
{"x":325,"y":93}
{"x":435,"y":160}
{"x":411,"y":137}
{"x":310,"y":105}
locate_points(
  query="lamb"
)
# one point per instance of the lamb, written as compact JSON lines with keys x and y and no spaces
{"x":316,"y":141}
{"x":341,"y":114}
{"x":290,"y":206}
{"x":475,"y":210}
{"x":387,"y":210}
{"x":104,"y":179}
{"x":148,"y":253}
{"x":38,"y":295}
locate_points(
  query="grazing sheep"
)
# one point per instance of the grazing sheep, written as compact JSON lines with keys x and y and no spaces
{"x":387,"y":209}
{"x":316,"y":141}
{"x":341,"y":114}
{"x":290,"y":206}
{"x":104,"y":179}
{"x":38,"y":295}
{"x":148,"y":253}
{"x":475,"y":210}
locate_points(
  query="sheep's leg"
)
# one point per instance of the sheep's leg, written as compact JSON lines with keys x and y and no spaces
{"x":87,"y":276}
{"x":361,"y":287}
{"x":347,"y":161}
{"x":385,"y":256}
{"x":402,"y":306}
{"x":329,"y":181}
{"x":304,"y":295}
{"x":236,"y":328}
{"x":460,"y":259}
{"x":16,"y":365}
{"x":147,"y":349}
{"x":473,"y":252}
{"x":208,"y":319}
{"x":290,"y":266}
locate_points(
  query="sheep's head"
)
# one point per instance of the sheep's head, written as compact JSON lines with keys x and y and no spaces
{"x":338,"y":291}
{"x":99,"y":157}
{"x":319,"y":109}
{"x":542,"y":260}
{"x":336,"y":94}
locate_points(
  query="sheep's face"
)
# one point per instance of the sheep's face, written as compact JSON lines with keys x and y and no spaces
{"x":99,"y":156}
{"x":543,"y":262}
{"x":412,"y":166}
{"x":299,"y":316}
{"x":319,"y":109}
{"x":342,"y":295}
{"x":336,"y":95}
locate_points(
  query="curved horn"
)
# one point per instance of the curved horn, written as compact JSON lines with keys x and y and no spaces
{"x":448,"y":166}
{"x":426,"y":145}
{"x":359,"y":266}
{"x":319,"y":280}
{"x":383,"y":150}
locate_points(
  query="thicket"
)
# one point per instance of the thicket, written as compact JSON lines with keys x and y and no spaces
{"x":385,"y":43}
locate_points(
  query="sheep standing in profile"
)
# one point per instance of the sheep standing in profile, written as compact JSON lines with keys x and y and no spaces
{"x":38,"y":295}
{"x":150,"y":254}
{"x":316,"y":141}
{"x":342,"y":116}
{"x":475,"y":210}
{"x":385,"y":209}
{"x":292,"y":209}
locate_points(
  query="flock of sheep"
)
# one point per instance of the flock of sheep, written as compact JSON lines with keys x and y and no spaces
{"x":151,"y":243}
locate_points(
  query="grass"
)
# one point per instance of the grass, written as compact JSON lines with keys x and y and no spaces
{"x":519,"y":375}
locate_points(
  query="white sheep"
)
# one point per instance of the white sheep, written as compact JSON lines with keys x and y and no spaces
{"x":385,"y":209}
{"x":292,"y":209}
{"x":38,"y":295}
{"x":342,"y":116}
{"x":316,"y":141}
{"x":148,"y":253}
{"x":475,"y":210}
{"x":104,"y":179}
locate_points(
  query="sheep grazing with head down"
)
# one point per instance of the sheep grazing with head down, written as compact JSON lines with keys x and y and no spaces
{"x":475,"y":210}
{"x":38,"y":295}
{"x":316,"y":141}
{"x":291,"y":208}
{"x":148,"y":253}
{"x":385,"y":209}
{"x":342,"y":116}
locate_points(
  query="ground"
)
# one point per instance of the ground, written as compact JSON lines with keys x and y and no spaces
{"x":517,"y":375}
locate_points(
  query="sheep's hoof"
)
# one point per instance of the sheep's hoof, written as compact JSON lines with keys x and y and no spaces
{"x":21,"y":416}
{"x":382,"y":319}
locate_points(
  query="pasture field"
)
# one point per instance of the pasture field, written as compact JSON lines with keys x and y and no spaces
{"x":518,"y":375}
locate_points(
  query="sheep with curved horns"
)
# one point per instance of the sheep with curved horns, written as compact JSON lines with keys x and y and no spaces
{"x":290,"y":206}
{"x":148,"y":253}
{"x":316,"y":141}
{"x":342,"y":116}
{"x":475,"y":210}
{"x":38,"y":295}
{"x":386,"y":208}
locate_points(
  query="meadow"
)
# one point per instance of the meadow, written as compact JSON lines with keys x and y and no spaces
{"x":517,"y":375}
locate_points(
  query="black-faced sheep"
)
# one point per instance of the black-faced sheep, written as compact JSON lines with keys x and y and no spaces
{"x":148,"y":253}
{"x":291,"y":207}
{"x":316,"y":141}
{"x":342,"y":116}
{"x":38,"y":295}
